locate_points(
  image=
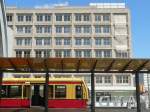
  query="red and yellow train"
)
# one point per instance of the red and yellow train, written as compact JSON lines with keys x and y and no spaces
{"x":27,"y":92}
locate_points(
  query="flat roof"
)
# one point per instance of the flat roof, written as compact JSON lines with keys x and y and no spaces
{"x":74,"y":65}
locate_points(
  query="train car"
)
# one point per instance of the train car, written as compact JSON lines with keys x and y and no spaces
{"x":27,"y":92}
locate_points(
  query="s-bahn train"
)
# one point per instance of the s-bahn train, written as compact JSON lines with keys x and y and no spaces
{"x":27,"y":92}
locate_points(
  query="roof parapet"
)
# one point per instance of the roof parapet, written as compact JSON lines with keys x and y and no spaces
{"x":108,"y":5}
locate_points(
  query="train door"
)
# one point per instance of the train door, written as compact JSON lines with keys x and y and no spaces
{"x":37,"y":95}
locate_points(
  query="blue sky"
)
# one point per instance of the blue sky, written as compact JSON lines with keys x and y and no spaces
{"x":140,"y":18}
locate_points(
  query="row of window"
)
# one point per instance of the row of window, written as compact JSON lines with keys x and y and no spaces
{"x":59,"y":17}
{"x":65,"y":29}
{"x":64,"y":53}
{"x":101,"y":79}
{"x":68,"y":53}
{"x":99,"y":41}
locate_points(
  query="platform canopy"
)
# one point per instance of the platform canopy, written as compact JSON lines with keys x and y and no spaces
{"x":74,"y":65}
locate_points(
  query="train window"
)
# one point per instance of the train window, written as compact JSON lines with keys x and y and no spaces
{"x":26,"y":91}
{"x":60,"y":91}
{"x":50,"y":91}
{"x":78,"y":92}
{"x":14,"y":91}
{"x":11,"y":91}
{"x":3,"y":91}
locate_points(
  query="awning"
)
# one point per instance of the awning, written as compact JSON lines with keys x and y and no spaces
{"x":74,"y":65}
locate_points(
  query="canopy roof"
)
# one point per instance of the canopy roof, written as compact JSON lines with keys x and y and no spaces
{"x":74,"y":65}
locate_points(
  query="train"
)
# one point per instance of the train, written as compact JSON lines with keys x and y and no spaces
{"x":28,"y":92}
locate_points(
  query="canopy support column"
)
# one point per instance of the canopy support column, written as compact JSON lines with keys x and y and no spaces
{"x":46,"y":91}
{"x":1,"y":79}
{"x":137,"y":92}
{"x":92,"y":92}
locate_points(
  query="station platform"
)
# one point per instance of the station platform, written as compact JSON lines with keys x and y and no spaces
{"x":41,"y":109}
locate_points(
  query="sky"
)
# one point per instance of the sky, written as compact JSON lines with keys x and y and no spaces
{"x":140,"y":19}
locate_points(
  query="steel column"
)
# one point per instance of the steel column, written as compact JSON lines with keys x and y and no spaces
{"x":1,"y":79}
{"x":92,"y":92}
{"x":137,"y":92}
{"x":46,"y":92}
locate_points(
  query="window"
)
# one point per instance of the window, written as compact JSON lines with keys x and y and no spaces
{"x":106,"y":29}
{"x":58,"y":17}
{"x":107,"y":53}
{"x":98,"y":53}
{"x":86,"y":17}
{"x":47,"y":17}
{"x":27,"y":29}
{"x":98,"y":41}
{"x":47,"y":29}
{"x":122,"y":54}
{"x":58,"y":29}
{"x":97,"y":17}
{"x":99,"y":79}
{"x":39,"y":41}
{"x":9,"y":18}
{"x":67,"y":29}
{"x":39,"y":17}
{"x":60,"y":91}
{"x":26,"y":54}
{"x":87,"y":79}
{"x":78,"y":29}
{"x":46,"y":53}
{"x":11,"y":91}
{"x":107,"y":79}
{"x":18,"y":53}
{"x":78,"y":91}
{"x":97,"y":29}
{"x":50,"y":91}
{"x":87,"y":29}
{"x":87,"y":53}
{"x":78,"y":41}
{"x":27,"y":41}
{"x":87,"y":41}
{"x":78,"y":17}
{"x":67,"y":41}
{"x":38,"y":29}
{"x":67,"y":17}
{"x":20,"y":18}
{"x":107,"y":41}
{"x":106,"y":18}
{"x":122,"y":79}
{"x":20,"y":29}
{"x":67,"y":53}
{"x":78,"y":53}
{"x":58,"y":53}
{"x":19,"y":41}
{"x":28,"y":18}
{"x":38,"y":54}
{"x":58,"y":41}
{"x":47,"y":41}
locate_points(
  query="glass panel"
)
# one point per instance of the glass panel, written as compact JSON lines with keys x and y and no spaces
{"x":11,"y":91}
{"x":50,"y":91}
{"x":60,"y":91}
{"x":78,"y":92}
{"x":26,"y":91}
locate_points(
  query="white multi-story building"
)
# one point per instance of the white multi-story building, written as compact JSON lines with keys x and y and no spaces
{"x":97,"y":30}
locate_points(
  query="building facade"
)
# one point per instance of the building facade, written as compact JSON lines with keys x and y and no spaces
{"x":146,"y":82}
{"x":97,"y":30}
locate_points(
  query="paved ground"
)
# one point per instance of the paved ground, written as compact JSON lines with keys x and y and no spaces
{"x":75,"y":110}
